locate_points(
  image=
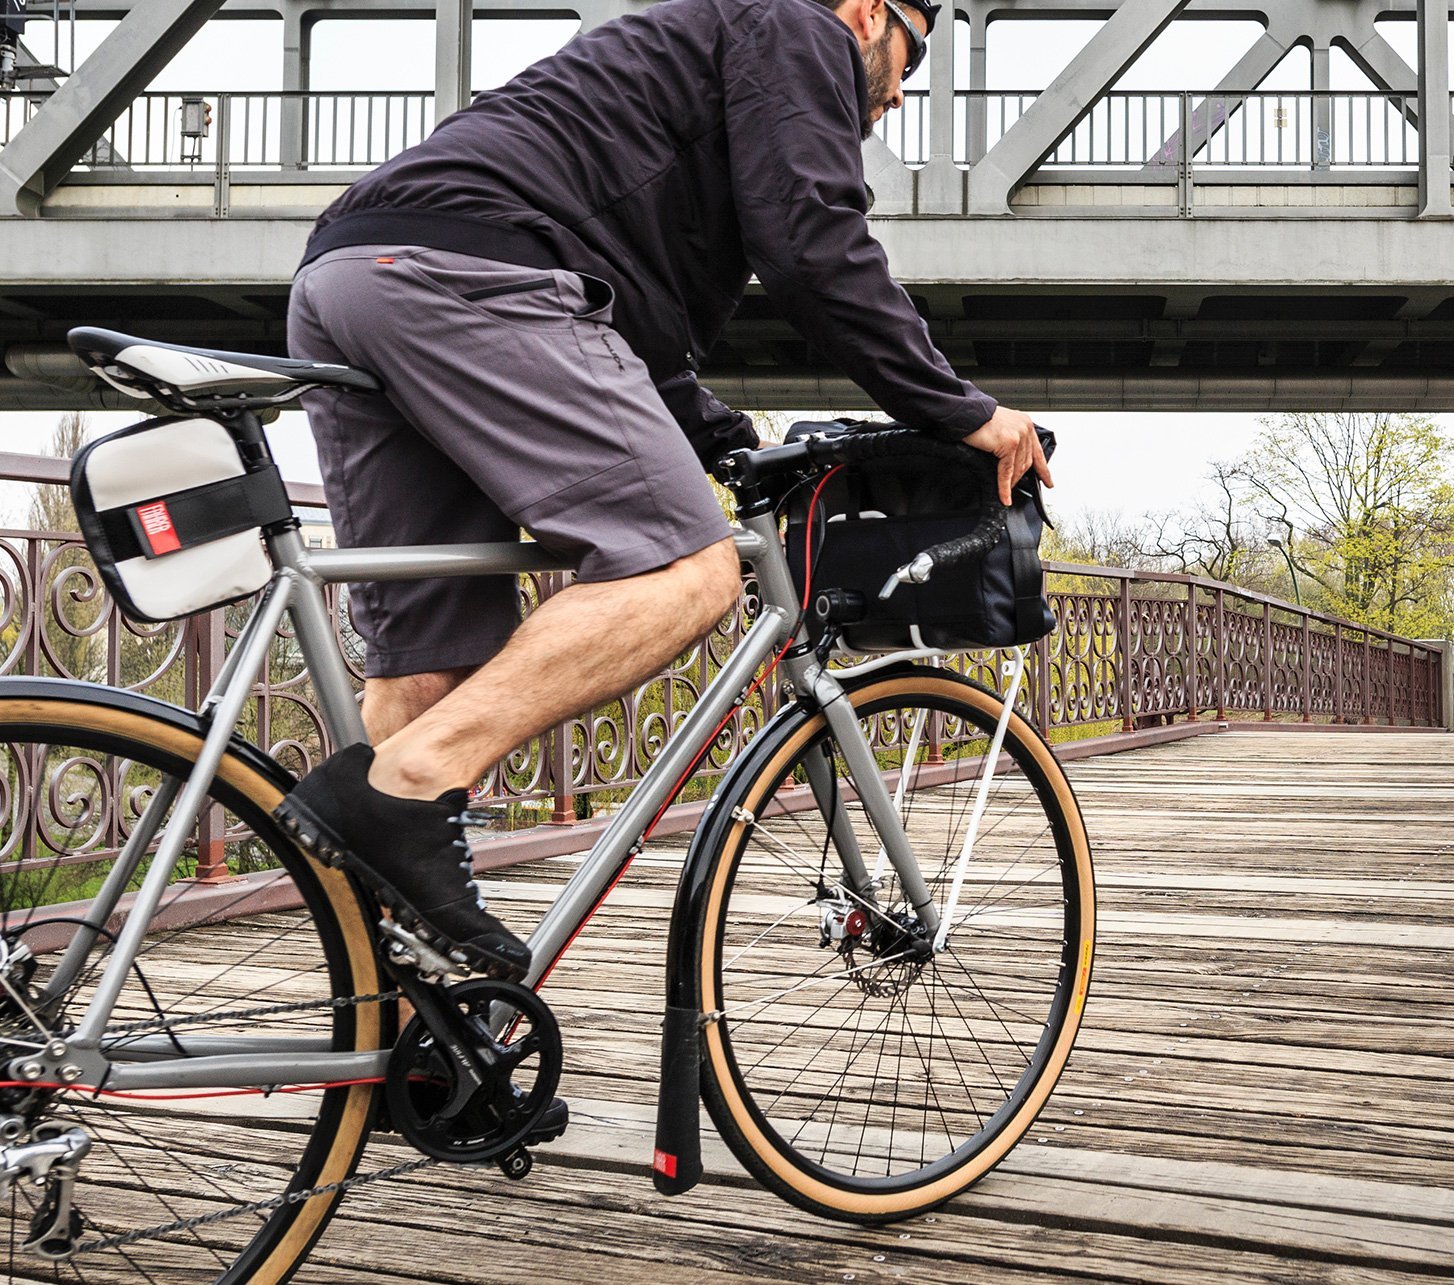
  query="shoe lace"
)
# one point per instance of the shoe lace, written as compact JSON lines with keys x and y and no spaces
{"x":467,"y":863}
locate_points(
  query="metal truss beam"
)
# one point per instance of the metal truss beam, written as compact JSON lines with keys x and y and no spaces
{"x":1057,"y":111}
{"x":77,"y":114}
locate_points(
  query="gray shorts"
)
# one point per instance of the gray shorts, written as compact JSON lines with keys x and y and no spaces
{"x":508,"y":402}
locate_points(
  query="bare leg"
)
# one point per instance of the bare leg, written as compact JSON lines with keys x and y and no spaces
{"x":392,"y":703}
{"x":585,"y":645}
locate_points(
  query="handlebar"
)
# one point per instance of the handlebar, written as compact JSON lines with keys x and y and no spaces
{"x":746,"y":470}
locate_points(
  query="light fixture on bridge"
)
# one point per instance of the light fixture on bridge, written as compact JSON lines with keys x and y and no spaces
{"x":196,"y":125}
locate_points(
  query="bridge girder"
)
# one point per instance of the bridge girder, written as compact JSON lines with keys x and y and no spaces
{"x":1235,"y":307}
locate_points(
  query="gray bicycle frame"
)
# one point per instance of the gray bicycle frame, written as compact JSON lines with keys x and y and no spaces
{"x":151,"y":1062}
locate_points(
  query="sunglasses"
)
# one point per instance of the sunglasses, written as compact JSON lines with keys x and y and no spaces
{"x":918,"y":45}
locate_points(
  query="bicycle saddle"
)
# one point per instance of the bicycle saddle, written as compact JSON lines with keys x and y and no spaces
{"x":148,"y":368}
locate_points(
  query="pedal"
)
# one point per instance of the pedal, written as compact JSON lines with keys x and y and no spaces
{"x":409,"y":949}
{"x":515,"y":1164}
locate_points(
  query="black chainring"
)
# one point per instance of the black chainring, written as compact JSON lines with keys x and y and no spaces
{"x":520,"y":1068}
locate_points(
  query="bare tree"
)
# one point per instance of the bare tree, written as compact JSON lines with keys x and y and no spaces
{"x":1222,"y":538}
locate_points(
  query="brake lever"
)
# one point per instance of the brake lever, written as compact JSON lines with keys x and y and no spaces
{"x":916,"y":571}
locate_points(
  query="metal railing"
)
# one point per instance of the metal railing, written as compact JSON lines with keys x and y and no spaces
{"x":209,"y":134}
{"x":206,"y":133}
{"x":1130,"y":648}
{"x":1136,"y":130}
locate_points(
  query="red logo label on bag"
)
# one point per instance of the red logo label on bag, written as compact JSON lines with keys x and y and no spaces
{"x":664,"y":1163}
{"x":156,"y":523}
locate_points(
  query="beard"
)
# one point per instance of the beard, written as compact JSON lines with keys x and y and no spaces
{"x":876,"y":66}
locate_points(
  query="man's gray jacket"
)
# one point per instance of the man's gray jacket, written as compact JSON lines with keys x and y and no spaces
{"x":672,"y":154}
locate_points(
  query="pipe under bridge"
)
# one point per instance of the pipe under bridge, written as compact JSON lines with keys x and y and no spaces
{"x":1082,"y":246}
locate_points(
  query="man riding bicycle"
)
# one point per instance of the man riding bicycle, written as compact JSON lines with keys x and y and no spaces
{"x":534,"y":284}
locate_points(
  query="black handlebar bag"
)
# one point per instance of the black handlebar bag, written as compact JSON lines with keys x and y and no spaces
{"x":872,"y":519}
{"x":174,"y":516}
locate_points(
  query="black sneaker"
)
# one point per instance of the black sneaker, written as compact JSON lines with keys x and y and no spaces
{"x":411,"y":852}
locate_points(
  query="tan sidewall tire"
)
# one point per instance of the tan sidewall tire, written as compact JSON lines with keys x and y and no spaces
{"x":354,"y":928}
{"x":804,"y":1188}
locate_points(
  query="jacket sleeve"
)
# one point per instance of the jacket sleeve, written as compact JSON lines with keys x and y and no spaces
{"x":793,"y":92}
{"x":712,"y":427}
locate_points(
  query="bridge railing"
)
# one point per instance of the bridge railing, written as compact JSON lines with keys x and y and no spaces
{"x":279,"y":131}
{"x":207,"y":135}
{"x":1131,"y":648}
{"x":1127,"y":130}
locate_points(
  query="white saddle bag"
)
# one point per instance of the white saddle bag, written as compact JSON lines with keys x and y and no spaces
{"x":174,"y":518}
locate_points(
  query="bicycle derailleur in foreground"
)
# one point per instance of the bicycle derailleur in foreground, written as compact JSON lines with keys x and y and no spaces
{"x":474,"y":1073}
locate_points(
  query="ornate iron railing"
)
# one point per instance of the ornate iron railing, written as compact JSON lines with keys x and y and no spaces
{"x":1130,"y":649}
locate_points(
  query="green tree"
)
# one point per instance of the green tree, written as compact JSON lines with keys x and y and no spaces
{"x":1365,"y":506}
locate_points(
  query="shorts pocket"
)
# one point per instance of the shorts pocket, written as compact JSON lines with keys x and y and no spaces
{"x":519,"y":297}
{"x":587,"y":298}
{"x":521,"y":287}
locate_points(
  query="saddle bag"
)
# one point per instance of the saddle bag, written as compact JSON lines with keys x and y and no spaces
{"x":174,"y":517}
{"x":872,"y":519}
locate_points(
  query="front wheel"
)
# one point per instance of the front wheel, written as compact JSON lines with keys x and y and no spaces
{"x":853,"y":1069}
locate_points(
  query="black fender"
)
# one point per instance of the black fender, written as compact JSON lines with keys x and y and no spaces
{"x":677,"y":1163}
{"x":75,"y":692}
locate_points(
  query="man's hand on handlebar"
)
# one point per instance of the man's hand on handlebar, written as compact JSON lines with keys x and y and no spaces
{"x":1010,"y":436}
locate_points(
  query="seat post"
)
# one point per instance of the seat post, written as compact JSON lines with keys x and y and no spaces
{"x":247,"y":431}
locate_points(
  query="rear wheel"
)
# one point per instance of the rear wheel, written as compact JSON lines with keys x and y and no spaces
{"x":854,"y":1071}
{"x":254,"y":943}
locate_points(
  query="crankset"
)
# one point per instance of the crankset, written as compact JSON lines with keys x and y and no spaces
{"x":474,"y":1072}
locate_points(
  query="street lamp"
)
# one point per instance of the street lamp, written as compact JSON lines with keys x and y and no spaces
{"x":1282,"y":549}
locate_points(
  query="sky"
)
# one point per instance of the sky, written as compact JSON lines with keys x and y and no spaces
{"x":1107,"y":462}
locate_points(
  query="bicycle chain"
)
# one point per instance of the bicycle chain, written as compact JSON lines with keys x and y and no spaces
{"x":274,"y":1202}
{"x":257,"y":1207}
{"x":236,"y":1014}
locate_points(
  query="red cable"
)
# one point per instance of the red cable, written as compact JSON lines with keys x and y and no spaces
{"x":186,"y":1097}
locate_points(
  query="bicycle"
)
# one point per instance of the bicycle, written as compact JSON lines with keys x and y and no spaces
{"x":879,"y":952}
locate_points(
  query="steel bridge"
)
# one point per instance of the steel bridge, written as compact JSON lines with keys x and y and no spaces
{"x":1086,"y":245}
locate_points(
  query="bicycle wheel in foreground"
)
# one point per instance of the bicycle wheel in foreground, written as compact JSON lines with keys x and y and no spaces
{"x":77,"y":775}
{"x":854,"y":1076}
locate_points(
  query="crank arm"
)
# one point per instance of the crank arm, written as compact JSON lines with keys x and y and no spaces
{"x":443,"y":1024}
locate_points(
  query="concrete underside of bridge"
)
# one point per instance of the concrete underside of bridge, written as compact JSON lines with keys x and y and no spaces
{"x":1245,"y":313}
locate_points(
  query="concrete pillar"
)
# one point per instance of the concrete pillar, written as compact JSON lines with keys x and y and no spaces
{"x":452,"y":48}
{"x":297,"y":50}
{"x":1446,"y":680}
{"x":1434,"y":131}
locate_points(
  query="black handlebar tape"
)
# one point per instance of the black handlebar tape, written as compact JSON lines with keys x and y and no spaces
{"x":852,"y":448}
{"x":983,"y":537}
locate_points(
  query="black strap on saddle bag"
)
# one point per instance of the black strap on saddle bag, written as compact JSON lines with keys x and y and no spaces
{"x":870,"y":520}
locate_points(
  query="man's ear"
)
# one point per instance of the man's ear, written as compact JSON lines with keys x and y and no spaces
{"x":862,"y":17}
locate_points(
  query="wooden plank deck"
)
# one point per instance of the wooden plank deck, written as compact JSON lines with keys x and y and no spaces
{"x":1263,"y":1088}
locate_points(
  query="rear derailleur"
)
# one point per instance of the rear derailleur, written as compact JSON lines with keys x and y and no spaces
{"x":473,"y":1075}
